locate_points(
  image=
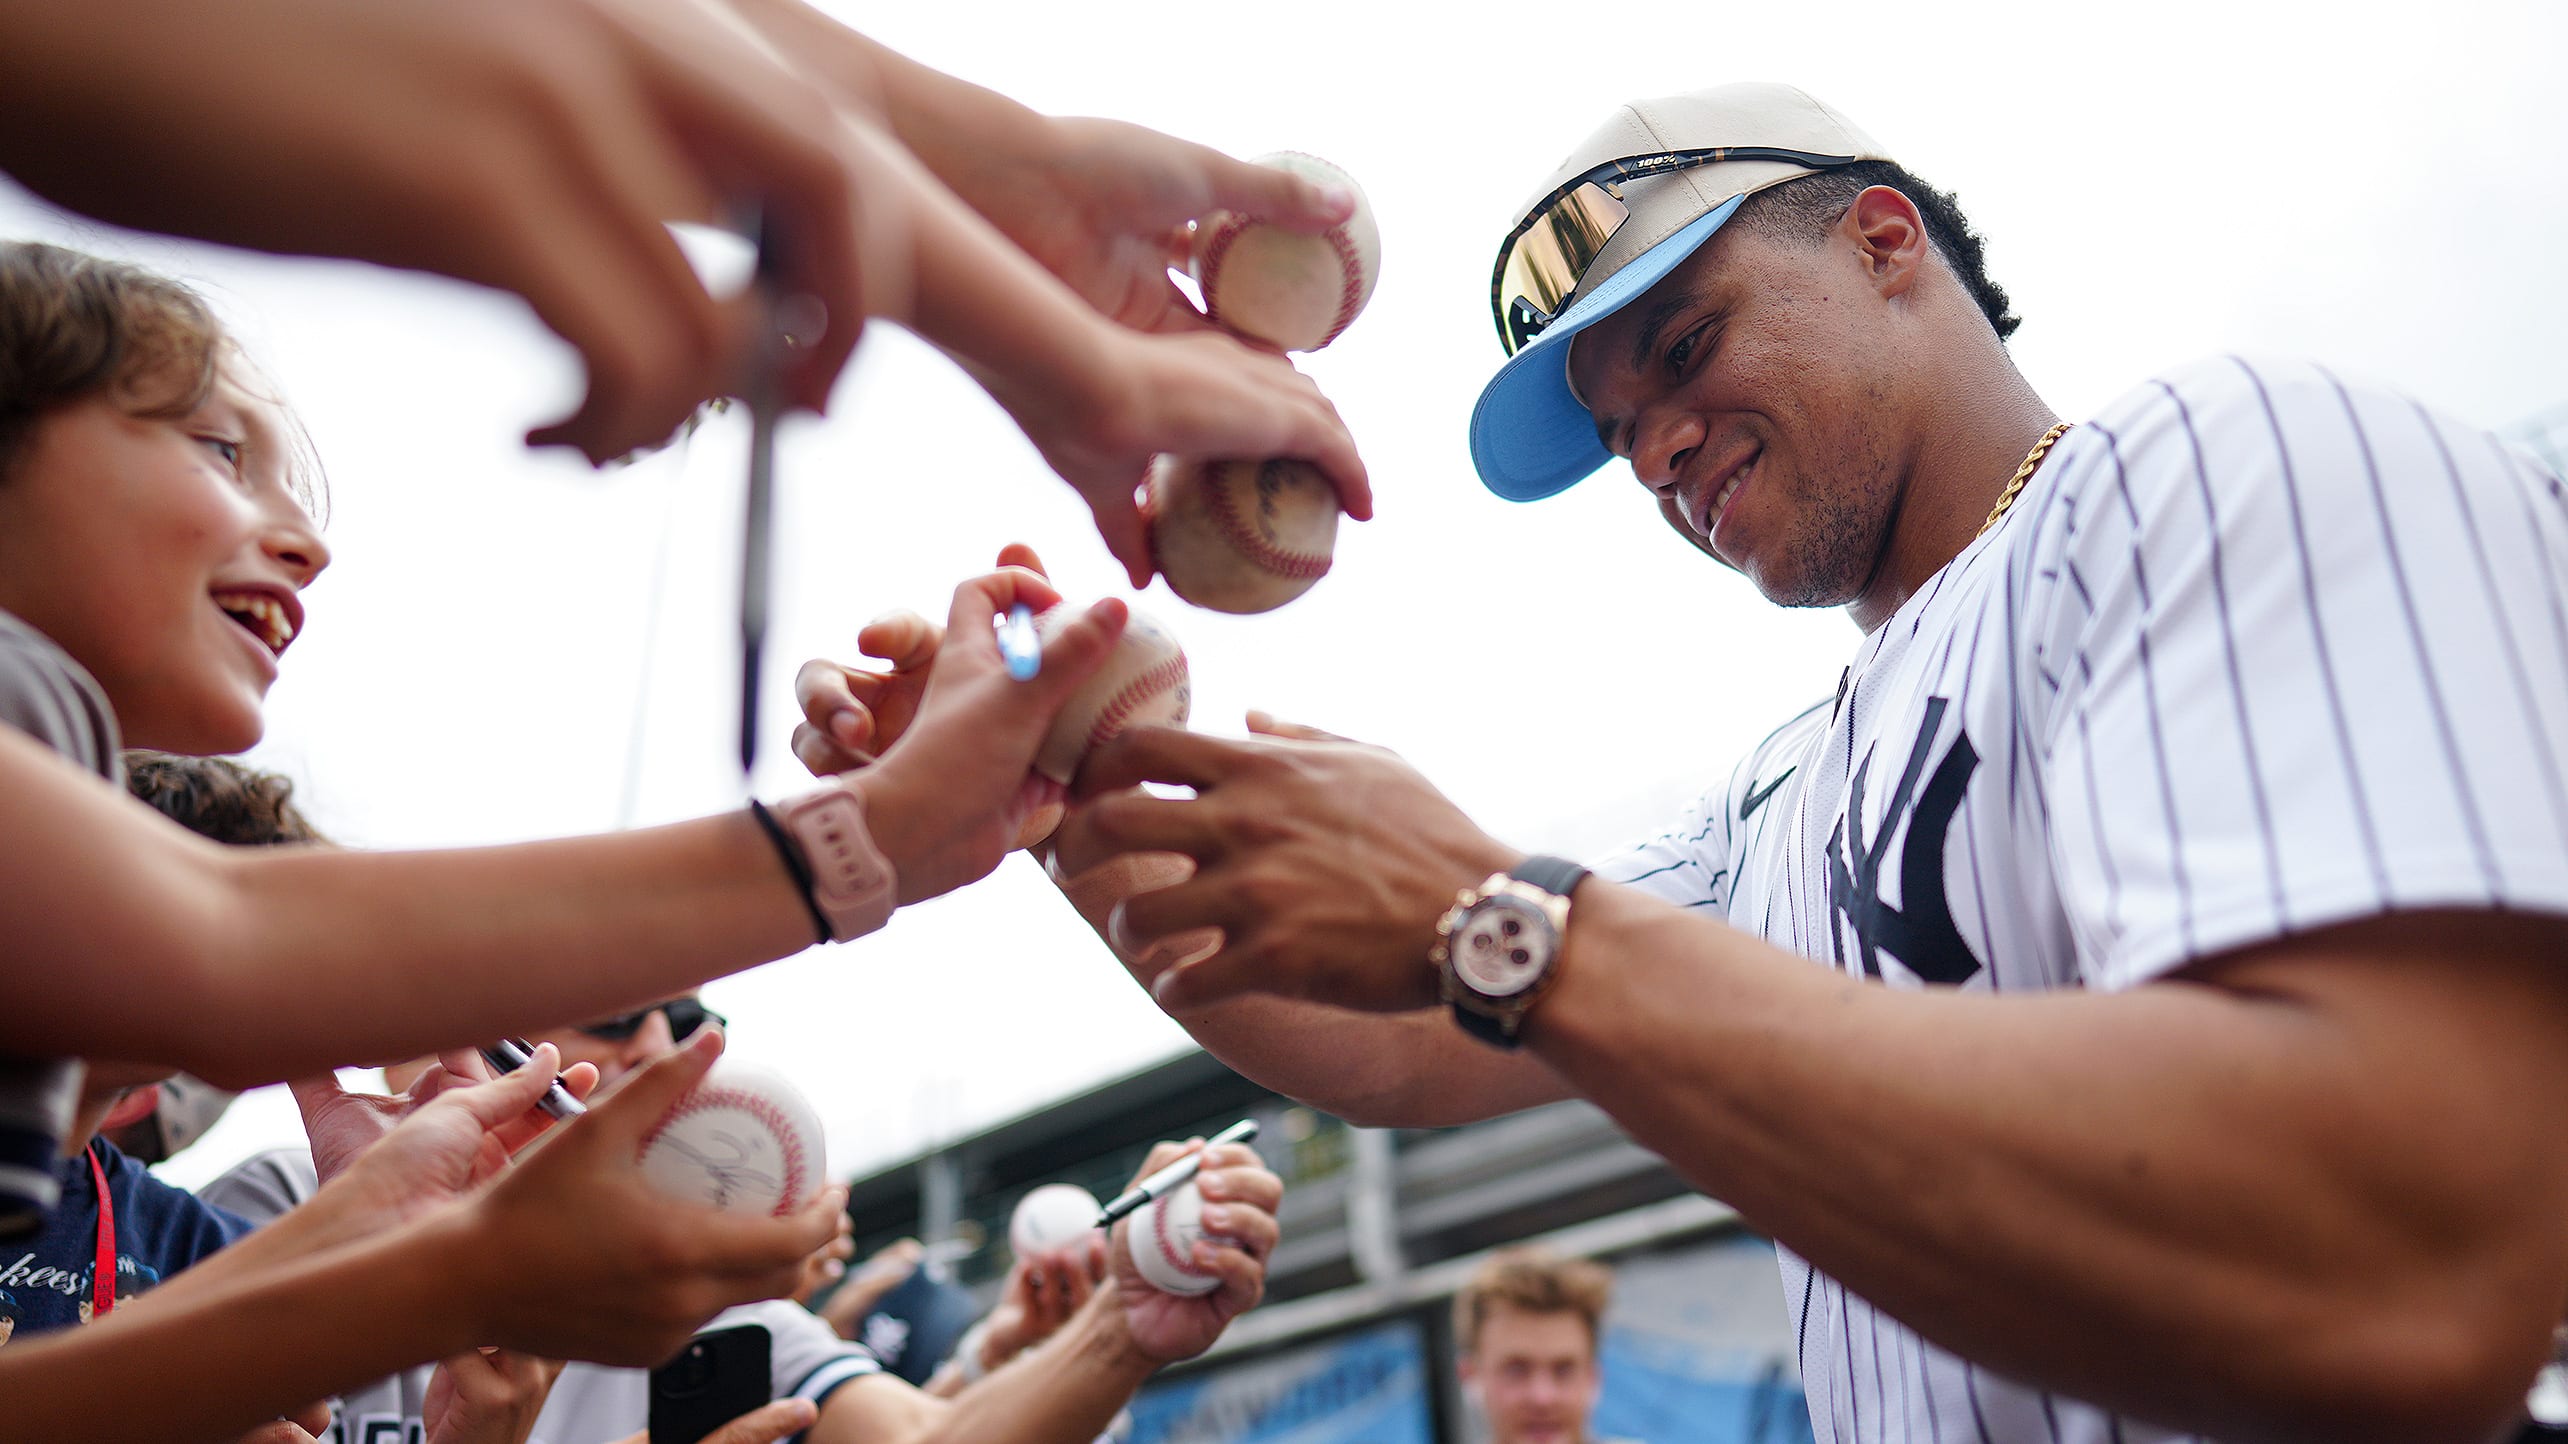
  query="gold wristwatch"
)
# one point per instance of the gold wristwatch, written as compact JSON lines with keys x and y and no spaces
{"x":1498,"y":947}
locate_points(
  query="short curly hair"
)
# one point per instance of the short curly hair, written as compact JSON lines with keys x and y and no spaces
{"x":1535,"y":1281}
{"x":218,"y":798}
{"x":1804,"y":208}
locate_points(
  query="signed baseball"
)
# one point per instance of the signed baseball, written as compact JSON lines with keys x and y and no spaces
{"x":1053,"y":1216}
{"x":1282,"y":287}
{"x":1143,"y":681}
{"x":742,"y":1139}
{"x":1240,"y":536}
{"x":1162,"y":1238}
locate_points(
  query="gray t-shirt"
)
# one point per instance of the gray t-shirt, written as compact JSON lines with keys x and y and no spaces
{"x":50,"y":697}
{"x":590,"y":1403}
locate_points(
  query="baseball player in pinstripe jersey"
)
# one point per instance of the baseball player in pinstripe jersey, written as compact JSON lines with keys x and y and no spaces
{"x":2185,"y":852}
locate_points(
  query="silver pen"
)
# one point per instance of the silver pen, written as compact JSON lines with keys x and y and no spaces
{"x":1174,"y":1176}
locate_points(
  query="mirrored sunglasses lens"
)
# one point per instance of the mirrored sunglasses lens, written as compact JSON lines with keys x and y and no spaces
{"x":1544,"y":266}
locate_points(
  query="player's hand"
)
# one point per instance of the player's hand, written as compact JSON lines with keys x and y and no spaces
{"x":953,"y":795}
{"x":1042,"y":1291}
{"x":1323,"y":863}
{"x":1105,"y":205}
{"x":782,"y":1419}
{"x":630,"y":1272}
{"x":326,"y":128}
{"x":486,"y":1396}
{"x":1240,"y":1232}
{"x":1198,"y":394}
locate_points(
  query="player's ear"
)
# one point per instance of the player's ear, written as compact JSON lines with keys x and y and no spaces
{"x":1889,"y":238}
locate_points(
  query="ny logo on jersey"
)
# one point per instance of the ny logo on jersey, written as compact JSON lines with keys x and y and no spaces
{"x":1919,"y":932}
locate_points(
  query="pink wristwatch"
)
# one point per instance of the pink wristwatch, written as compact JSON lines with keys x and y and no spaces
{"x":852,"y":884}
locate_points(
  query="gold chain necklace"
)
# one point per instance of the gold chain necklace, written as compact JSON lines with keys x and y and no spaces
{"x":2024,"y":473}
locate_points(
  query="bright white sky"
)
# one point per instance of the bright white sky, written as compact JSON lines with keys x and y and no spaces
{"x":2157,"y":182}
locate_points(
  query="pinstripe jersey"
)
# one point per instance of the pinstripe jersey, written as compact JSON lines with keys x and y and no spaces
{"x":2256,"y":651}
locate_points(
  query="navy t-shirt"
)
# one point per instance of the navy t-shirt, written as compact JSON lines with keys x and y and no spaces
{"x":45,"y":1281}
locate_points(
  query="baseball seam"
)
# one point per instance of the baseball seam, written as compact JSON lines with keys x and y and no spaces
{"x":1159,"y":1233}
{"x":1161,"y":676}
{"x":1350,"y":268}
{"x":778,"y":1126}
{"x":1236,"y":529}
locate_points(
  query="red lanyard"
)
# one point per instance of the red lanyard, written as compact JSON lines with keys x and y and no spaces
{"x":102,"y":1284}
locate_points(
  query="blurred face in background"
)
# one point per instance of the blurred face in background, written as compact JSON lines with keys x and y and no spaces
{"x":1535,"y":1375}
{"x":621,"y":1044}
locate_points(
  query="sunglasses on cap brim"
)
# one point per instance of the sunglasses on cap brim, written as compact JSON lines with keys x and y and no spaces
{"x":685,"y":1016}
{"x":1545,"y":258}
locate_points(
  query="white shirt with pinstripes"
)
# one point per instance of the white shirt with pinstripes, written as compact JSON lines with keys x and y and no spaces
{"x":2258,"y":650}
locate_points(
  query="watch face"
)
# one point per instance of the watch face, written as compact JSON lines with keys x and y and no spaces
{"x":1501,"y":946}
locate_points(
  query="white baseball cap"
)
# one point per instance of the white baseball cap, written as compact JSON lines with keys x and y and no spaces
{"x":1629,"y":205}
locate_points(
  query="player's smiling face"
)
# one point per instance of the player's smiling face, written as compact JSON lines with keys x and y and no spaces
{"x":1751,"y":391}
{"x":165,"y":553}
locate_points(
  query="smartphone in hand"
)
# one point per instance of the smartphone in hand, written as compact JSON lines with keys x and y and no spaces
{"x":720,"y":1375}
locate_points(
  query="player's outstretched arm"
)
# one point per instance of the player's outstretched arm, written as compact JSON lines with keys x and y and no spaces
{"x":1100,"y":203}
{"x":131,"y":938}
{"x":1373,"y":1069}
{"x":1068,"y":1388}
{"x":329,"y":128}
{"x":2308,"y":1190}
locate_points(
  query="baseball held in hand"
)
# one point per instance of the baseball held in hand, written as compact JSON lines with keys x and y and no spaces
{"x":1143,"y":681}
{"x":1284,"y":288}
{"x":1240,"y":536}
{"x":742,"y":1139}
{"x":1054,"y":1216}
{"x":1162,"y":1238}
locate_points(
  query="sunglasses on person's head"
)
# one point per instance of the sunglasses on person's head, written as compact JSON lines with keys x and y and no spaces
{"x":685,"y":1016}
{"x":1545,"y":258}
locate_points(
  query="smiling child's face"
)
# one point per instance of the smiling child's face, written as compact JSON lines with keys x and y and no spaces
{"x":165,"y":554}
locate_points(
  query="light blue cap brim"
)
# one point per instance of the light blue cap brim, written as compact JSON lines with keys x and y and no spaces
{"x":1530,"y":438}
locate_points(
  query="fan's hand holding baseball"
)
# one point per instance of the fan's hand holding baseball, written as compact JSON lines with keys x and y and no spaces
{"x":1131,"y":396}
{"x":627,"y":1272}
{"x":948,"y":800}
{"x":1324,"y":863}
{"x":1240,"y":1197}
{"x":1104,"y":205}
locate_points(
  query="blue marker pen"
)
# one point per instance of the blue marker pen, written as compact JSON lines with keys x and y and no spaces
{"x":1019,"y":644}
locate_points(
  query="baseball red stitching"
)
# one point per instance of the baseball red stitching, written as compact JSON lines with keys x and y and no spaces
{"x":1161,"y":677}
{"x":1300,"y":566}
{"x":1350,"y":265}
{"x":1160,"y":1234}
{"x":778,"y":1126}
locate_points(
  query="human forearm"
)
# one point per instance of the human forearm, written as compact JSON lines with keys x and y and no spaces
{"x":1380,"y":1070}
{"x":957,"y":129}
{"x":2225,"y":1208}
{"x":246,"y":965}
{"x":1065,"y":1390}
{"x":220,"y":1361}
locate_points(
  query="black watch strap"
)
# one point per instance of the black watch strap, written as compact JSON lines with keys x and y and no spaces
{"x":1555,"y":875}
{"x":1487,"y":1029}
